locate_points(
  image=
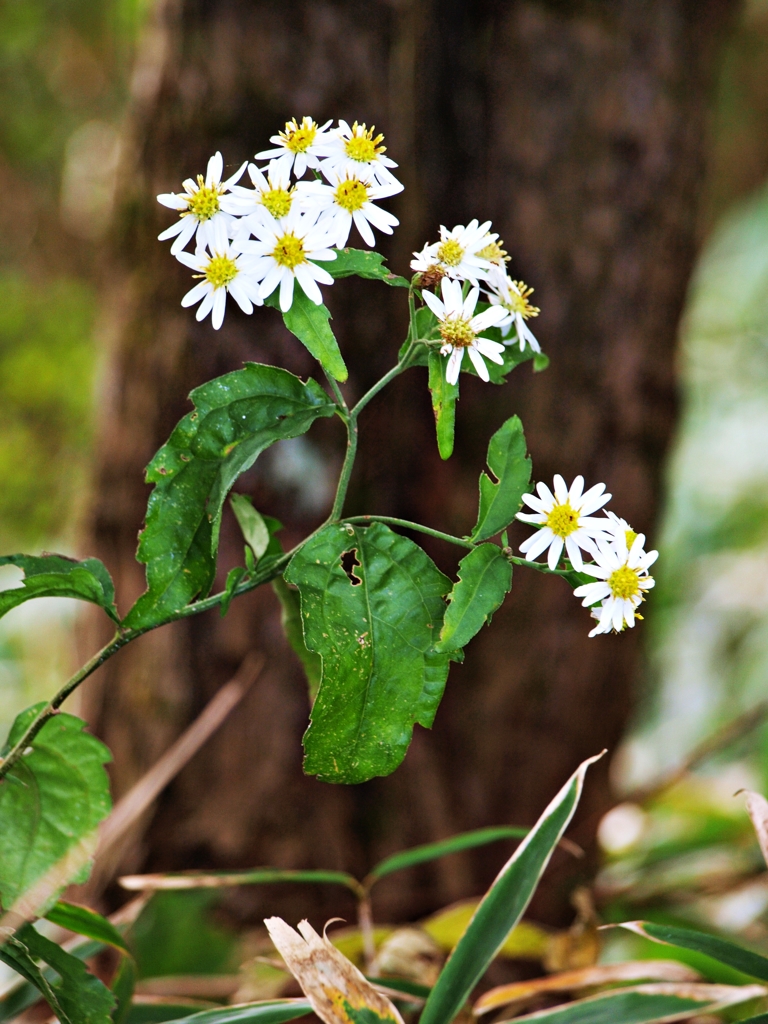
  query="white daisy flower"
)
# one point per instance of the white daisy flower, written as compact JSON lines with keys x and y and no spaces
{"x":618,"y":527}
{"x":284,"y":251}
{"x":357,"y":152}
{"x":493,"y":251}
{"x":460,"y":330}
{"x":224,"y":271}
{"x":200,"y":206}
{"x":456,"y":254}
{"x":298,"y":147}
{"x":272,"y":194}
{"x":346,"y":201}
{"x":513,"y":296}
{"x":622,"y":580}
{"x":565,"y":520}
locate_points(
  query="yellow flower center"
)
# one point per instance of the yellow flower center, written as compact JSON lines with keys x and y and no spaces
{"x":457,"y":332}
{"x":204,"y":203}
{"x":362,"y":146}
{"x":563,"y":520}
{"x":299,"y":137}
{"x":624,"y":582}
{"x":450,"y":252}
{"x":630,"y":537}
{"x":351,"y":195}
{"x":493,"y":253}
{"x":277,"y":202}
{"x":518,"y":302}
{"x":220,"y":271}
{"x":289,"y":252}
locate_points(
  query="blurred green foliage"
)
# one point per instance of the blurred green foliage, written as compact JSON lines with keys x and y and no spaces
{"x":64,"y":66}
{"x":46,"y":378}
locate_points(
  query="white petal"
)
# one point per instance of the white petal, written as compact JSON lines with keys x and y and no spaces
{"x":545,"y":494}
{"x":594,"y":499}
{"x":533,"y":546}
{"x":271,"y":280}
{"x":195,"y":294}
{"x":617,"y":619}
{"x":188,"y":229}
{"x":478,"y":363}
{"x":173,"y":230}
{"x":240,"y":295}
{"x":574,"y":553}
{"x":561,"y":491}
{"x":364,"y":228}
{"x":219,"y":305}
{"x":308,"y":283}
{"x":434,"y":304}
{"x":490,"y":349}
{"x":576,"y":489}
{"x":215,"y":167}
{"x":454,"y":365}
{"x":533,"y":502}
{"x":195,"y":261}
{"x":468,"y":308}
{"x":205,"y":306}
{"x":555,"y":551}
{"x":172,"y":201}
{"x":286,"y":292}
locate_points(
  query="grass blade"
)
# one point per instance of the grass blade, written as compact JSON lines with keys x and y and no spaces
{"x":503,"y":905}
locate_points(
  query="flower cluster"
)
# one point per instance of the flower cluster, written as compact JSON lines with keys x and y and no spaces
{"x":620,"y":562}
{"x":474,"y":254}
{"x":250,"y":242}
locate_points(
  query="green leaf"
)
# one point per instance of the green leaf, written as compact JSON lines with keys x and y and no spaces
{"x":252,"y":524}
{"x":375,"y":632}
{"x":361,"y":263}
{"x":444,"y":398}
{"x":644,"y":1004}
{"x":236,"y":417}
{"x":311,"y":325}
{"x":84,"y":921}
{"x":80,"y":998}
{"x":59,"y":576}
{"x":162,"y":1010}
{"x":485,"y":577}
{"x":122,"y":987}
{"x":540,"y":362}
{"x":291,"y":621}
{"x":503,"y":905}
{"x":53,"y":797}
{"x":725,"y":952}
{"x":500,"y":502}
{"x":234,"y":576}
{"x":274,"y":1011}
{"x":23,"y":994}
{"x":15,"y":954}
{"x":432,"y":851}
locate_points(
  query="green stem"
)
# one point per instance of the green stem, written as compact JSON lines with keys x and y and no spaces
{"x":53,"y":705}
{"x":340,"y":400}
{"x":406,"y":524}
{"x":346,"y":470}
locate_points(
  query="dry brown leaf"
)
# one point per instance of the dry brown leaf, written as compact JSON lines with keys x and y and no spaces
{"x":411,"y":954}
{"x":332,"y":984}
{"x":569,"y":981}
{"x":757,"y":808}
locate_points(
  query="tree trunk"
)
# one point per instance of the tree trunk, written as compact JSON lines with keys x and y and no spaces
{"x":579,"y":128}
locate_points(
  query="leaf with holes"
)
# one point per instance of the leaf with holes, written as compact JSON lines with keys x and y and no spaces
{"x":59,"y":576}
{"x":485,"y":577}
{"x":236,"y":417}
{"x":290,"y":619}
{"x":500,"y":502}
{"x":52,"y":798}
{"x":374,"y":627}
{"x":444,"y":398}
{"x":361,"y":263}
